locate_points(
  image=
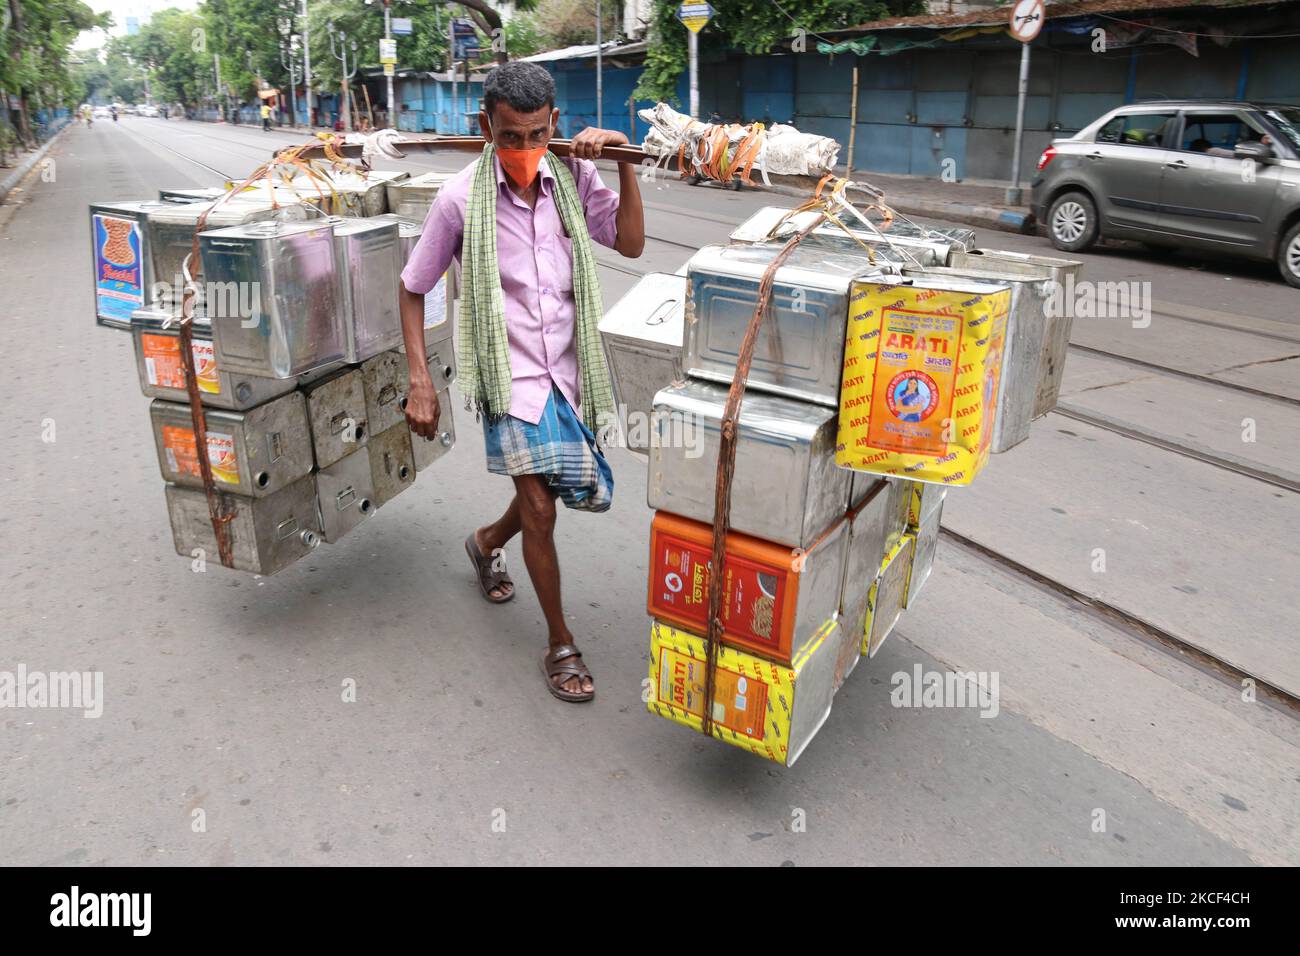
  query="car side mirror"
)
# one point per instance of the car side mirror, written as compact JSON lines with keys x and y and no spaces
{"x":1253,"y":149}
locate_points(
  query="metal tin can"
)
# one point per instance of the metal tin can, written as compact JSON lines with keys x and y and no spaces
{"x":121,"y":259}
{"x":187,"y":195}
{"x":800,"y":348}
{"x":384,"y":381}
{"x":875,"y":527}
{"x":336,"y":411}
{"x":768,"y":709}
{"x":425,"y":451}
{"x":361,"y":195}
{"x":369,"y":263}
{"x":642,"y":339}
{"x":785,"y":485}
{"x":392,"y":467}
{"x":442,"y":365}
{"x":162,"y":374}
{"x":927,"y":544}
{"x":411,"y":198}
{"x":286,"y":275}
{"x":902,"y":242}
{"x":171,"y":239}
{"x":775,"y":597}
{"x":266,"y":534}
{"x":1022,"y":351}
{"x":888,"y":592}
{"x":254,"y":452}
{"x":1063,"y":274}
{"x":440,"y":301}
{"x":345,"y":491}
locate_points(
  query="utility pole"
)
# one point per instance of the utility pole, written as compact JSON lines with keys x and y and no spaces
{"x":694,"y":16}
{"x":293,"y":80}
{"x":306,"y":60}
{"x":1025,"y":24}
{"x":341,"y":54}
{"x":600,"y":73}
{"x":216,"y":75}
{"x":388,"y":35}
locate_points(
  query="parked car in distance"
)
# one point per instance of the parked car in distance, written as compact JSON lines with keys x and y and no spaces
{"x":1182,"y":174}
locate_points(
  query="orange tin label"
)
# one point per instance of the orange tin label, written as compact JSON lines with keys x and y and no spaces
{"x":760,"y":594}
{"x":163,"y":367}
{"x":754,"y":594}
{"x":205,"y":366}
{"x":182,"y":454}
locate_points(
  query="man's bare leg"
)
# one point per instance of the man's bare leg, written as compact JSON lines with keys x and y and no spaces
{"x":535,"y":504}
{"x":496,"y":535}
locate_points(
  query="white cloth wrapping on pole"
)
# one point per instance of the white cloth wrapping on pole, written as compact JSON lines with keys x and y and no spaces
{"x":784,"y":151}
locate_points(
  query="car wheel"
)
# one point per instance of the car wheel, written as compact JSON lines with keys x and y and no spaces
{"x":1072,"y":222}
{"x":1288,"y":256}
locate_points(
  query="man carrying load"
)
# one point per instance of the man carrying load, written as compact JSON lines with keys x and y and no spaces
{"x":521,"y":222}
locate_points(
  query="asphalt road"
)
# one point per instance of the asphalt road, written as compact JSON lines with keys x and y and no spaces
{"x":224,"y":693}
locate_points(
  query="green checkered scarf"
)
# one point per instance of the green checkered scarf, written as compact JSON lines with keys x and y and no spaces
{"x":484,"y":360}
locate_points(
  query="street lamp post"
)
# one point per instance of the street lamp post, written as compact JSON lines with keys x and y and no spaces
{"x":341,"y":53}
{"x":291,"y":66}
{"x":306,"y":61}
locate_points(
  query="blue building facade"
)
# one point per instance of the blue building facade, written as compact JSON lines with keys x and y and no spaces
{"x":937,"y":108}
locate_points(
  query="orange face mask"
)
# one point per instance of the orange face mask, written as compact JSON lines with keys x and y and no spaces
{"x":520,"y":164}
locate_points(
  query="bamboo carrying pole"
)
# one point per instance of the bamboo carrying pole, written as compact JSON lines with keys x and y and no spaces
{"x":560,"y":147}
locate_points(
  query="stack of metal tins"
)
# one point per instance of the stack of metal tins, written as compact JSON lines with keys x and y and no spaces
{"x":821,"y":561}
{"x":297,"y":352}
{"x":798,"y":523}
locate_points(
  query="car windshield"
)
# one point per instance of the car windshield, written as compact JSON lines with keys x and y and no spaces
{"x":1287,"y":120}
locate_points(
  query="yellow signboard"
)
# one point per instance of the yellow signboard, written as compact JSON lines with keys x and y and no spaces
{"x":695,"y":16}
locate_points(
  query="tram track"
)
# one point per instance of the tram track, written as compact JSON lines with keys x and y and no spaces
{"x":1136,"y":627}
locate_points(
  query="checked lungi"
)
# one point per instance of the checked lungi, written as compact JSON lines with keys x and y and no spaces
{"x":559,"y":447}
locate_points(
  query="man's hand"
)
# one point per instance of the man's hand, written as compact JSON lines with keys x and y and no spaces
{"x":587,"y":144}
{"x":422,"y":410}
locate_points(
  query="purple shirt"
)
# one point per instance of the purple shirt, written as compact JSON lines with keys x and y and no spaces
{"x":536,"y":262}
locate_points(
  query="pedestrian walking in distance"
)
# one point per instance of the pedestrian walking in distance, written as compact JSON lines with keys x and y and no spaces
{"x":266,"y":117}
{"x":521,"y":222}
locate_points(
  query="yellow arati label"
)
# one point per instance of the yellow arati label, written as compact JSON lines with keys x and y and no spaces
{"x":752,"y":697}
{"x":921,"y":369}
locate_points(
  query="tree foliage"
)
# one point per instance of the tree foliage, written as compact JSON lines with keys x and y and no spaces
{"x":36,"y":38}
{"x":753,"y":26}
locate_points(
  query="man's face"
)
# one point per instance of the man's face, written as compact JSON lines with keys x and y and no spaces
{"x":508,"y":128}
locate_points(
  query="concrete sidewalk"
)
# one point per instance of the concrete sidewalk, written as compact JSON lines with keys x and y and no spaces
{"x":13,"y":175}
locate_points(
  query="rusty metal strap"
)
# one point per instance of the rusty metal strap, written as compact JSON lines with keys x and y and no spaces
{"x":218,"y":510}
{"x":727,"y":466}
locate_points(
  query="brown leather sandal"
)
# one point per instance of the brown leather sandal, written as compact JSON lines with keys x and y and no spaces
{"x":565,"y":661}
{"x":489,"y":577}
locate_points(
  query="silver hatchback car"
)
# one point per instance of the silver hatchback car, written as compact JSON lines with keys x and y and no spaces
{"x":1209,"y":176}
